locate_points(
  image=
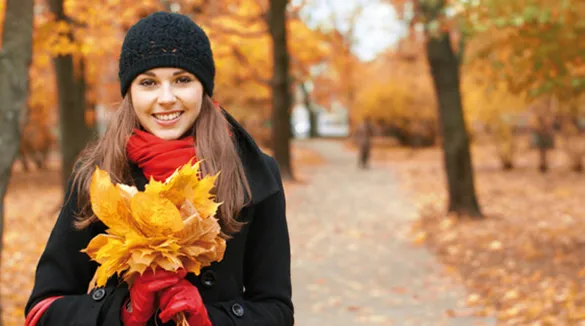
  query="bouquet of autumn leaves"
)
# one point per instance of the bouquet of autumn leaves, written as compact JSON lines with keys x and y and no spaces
{"x":170,"y":225}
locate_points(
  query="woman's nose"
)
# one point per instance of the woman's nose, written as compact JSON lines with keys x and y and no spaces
{"x":167,"y":95}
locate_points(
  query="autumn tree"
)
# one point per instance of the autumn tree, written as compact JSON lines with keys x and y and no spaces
{"x":281,"y":96}
{"x":535,"y":47}
{"x":308,"y":102}
{"x":397,"y":92}
{"x":570,"y":115}
{"x":346,"y":62}
{"x":71,"y":85}
{"x":336,"y":80}
{"x":489,"y":103}
{"x":15,"y":58}
{"x":314,"y":51}
{"x":244,"y":37}
{"x":444,"y":62}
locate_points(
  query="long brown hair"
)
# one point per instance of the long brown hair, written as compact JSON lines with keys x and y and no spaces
{"x":213,"y":144}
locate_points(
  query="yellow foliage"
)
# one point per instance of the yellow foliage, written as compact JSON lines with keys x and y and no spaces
{"x":170,"y":225}
{"x":489,"y":102}
{"x":396,"y":90}
{"x":2,"y":13}
{"x":535,"y":44}
{"x":393,"y":102}
{"x":487,"y":99}
{"x":180,"y":187}
{"x":386,"y":101}
{"x":243,"y":53}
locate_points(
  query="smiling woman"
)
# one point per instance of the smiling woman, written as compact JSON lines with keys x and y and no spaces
{"x":167,"y":101}
{"x":166,"y":120}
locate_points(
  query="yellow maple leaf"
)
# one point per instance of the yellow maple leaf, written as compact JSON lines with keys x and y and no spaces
{"x":184,"y":185}
{"x":154,"y":215}
{"x":106,"y":250}
{"x":202,"y":199}
{"x":109,"y":205}
{"x":178,"y":186}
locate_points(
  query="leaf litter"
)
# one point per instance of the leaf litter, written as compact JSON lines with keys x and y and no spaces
{"x":525,"y":262}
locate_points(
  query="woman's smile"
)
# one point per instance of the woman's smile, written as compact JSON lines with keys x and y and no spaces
{"x":167,"y":118}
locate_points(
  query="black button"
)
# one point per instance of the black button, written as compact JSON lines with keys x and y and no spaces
{"x":98,"y":294}
{"x":208,"y":279}
{"x":237,"y":309}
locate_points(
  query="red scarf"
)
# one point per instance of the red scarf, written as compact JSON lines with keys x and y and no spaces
{"x":159,"y":158}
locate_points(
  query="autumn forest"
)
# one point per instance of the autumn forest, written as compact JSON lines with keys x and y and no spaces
{"x":478,"y":112}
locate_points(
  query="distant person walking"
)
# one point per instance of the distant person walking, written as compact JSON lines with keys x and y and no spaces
{"x":363,"y":138}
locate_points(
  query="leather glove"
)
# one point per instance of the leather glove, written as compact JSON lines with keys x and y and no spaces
{"x":138,"y":310}
{"x":183,"y":297}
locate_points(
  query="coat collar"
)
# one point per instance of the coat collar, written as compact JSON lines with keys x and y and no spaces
{"x":260,"y":178}
{"x":262,"y":181}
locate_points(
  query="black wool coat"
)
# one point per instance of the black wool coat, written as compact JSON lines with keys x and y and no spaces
{"x":250,"y":286}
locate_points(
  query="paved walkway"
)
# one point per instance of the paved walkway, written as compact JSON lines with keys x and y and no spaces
{"x":352,"y":260}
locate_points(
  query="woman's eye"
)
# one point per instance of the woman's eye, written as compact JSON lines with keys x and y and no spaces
{"x":183,"y":80}
{"x":147,"y":82}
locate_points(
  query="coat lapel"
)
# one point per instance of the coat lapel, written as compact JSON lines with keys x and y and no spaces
{"x":262,"y":182}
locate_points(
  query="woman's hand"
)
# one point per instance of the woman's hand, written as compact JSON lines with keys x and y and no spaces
{"x":142,"y":303}
{"x":183,"y":297}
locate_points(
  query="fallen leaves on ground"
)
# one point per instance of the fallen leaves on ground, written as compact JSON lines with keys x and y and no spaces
{"x":32,"y":205}
{"x":525,"y":262}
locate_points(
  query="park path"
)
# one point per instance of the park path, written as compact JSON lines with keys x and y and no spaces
{"x":352,"y":259}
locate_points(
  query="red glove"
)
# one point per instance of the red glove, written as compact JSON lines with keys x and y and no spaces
{"x":143,"y":295}
{"x":183,"y":297}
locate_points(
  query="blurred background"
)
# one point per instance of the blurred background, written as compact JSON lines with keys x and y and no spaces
{"x":438,"y":136}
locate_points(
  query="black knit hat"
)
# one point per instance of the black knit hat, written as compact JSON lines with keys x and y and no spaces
{"x":165,"y":39}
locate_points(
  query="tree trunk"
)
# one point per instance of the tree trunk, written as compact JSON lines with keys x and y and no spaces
{"x":506,"y":153}
{"x":348,"y":72}
{"x":74,"y":132}
{"x":572,"y":135}
{"x":507,"y":164}
{"x":577,"y":165}
{"x":281,"y":97}
{"x":543,"y":162}
{"x":312,"y":114}
{"x":545,"y":142}
{"x":82,"y":89}
{"x":444,"y":67}
{"x":15,"y":59}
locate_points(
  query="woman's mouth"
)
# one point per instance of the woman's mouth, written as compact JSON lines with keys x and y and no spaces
{"x":167,"y":118}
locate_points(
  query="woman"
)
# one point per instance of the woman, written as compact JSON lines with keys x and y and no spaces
{"x":166,"y":118}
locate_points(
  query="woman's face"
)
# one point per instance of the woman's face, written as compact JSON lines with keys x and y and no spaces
{"x":167,"y":101}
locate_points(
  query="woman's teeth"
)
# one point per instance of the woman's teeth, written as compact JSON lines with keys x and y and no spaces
{"x":168,"y":116}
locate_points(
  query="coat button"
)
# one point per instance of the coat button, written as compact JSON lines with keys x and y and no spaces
{"x":208,"y":279}
{"x":237,"y":309}
{"x":98,"y":294}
